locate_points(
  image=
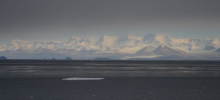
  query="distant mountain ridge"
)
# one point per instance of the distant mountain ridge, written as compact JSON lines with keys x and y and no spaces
{"x":150,"y":44}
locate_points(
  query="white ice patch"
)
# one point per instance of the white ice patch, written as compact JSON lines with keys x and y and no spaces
{"x":77,"y":78}
{"x":151,"y":56}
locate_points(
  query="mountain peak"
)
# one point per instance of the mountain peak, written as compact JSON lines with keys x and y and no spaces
{"x":165,"y":50}
{"x":218,"y":50}
{"x":162,"y":46}
{"x":146,"y":50}
{"x":216,"y":41}
{"x":155,"y":38}
{"x":163,"y":39}
{"x":107,"y":41}
{"x":125,"y":37}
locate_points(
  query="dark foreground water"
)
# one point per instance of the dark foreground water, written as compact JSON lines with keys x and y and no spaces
{"x":111,"y":89}
{"x":124,"y":80}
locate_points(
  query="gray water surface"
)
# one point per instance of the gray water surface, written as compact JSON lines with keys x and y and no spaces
{"x":77,"y":68}
{"x":154,"y":88}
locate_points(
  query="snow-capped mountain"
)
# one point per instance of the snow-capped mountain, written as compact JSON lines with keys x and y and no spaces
{"x":79,"y":43}
{"x":156,"y":39}
{"x":124,"y":44}
{"x":146,"y":50}
{"x":218,"y":50}
{"x":165,"y":50}
{"x":28,"y":45}
{"x":209,"y":47}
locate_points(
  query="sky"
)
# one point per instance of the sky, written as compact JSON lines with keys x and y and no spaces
{"x":38,"y":20}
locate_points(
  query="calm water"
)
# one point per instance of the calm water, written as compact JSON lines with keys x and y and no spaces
{"x":110,"y":89}
{"x":123,"y":80}
{"x":62,"y":68}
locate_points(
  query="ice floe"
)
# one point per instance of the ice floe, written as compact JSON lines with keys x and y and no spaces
{"x":80,"y":78}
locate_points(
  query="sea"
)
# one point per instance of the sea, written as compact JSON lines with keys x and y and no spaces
{"x":109,"y":80}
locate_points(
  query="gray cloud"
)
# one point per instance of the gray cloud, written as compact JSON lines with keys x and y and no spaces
{"x":59,"y":19}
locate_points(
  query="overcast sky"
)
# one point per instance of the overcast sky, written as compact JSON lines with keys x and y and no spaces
{"x":60,"y":19}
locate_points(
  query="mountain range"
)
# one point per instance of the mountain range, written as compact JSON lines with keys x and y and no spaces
{"x":150,"y":46}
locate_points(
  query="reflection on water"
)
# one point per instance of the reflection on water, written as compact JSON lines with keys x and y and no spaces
{"x":40,"y":68}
